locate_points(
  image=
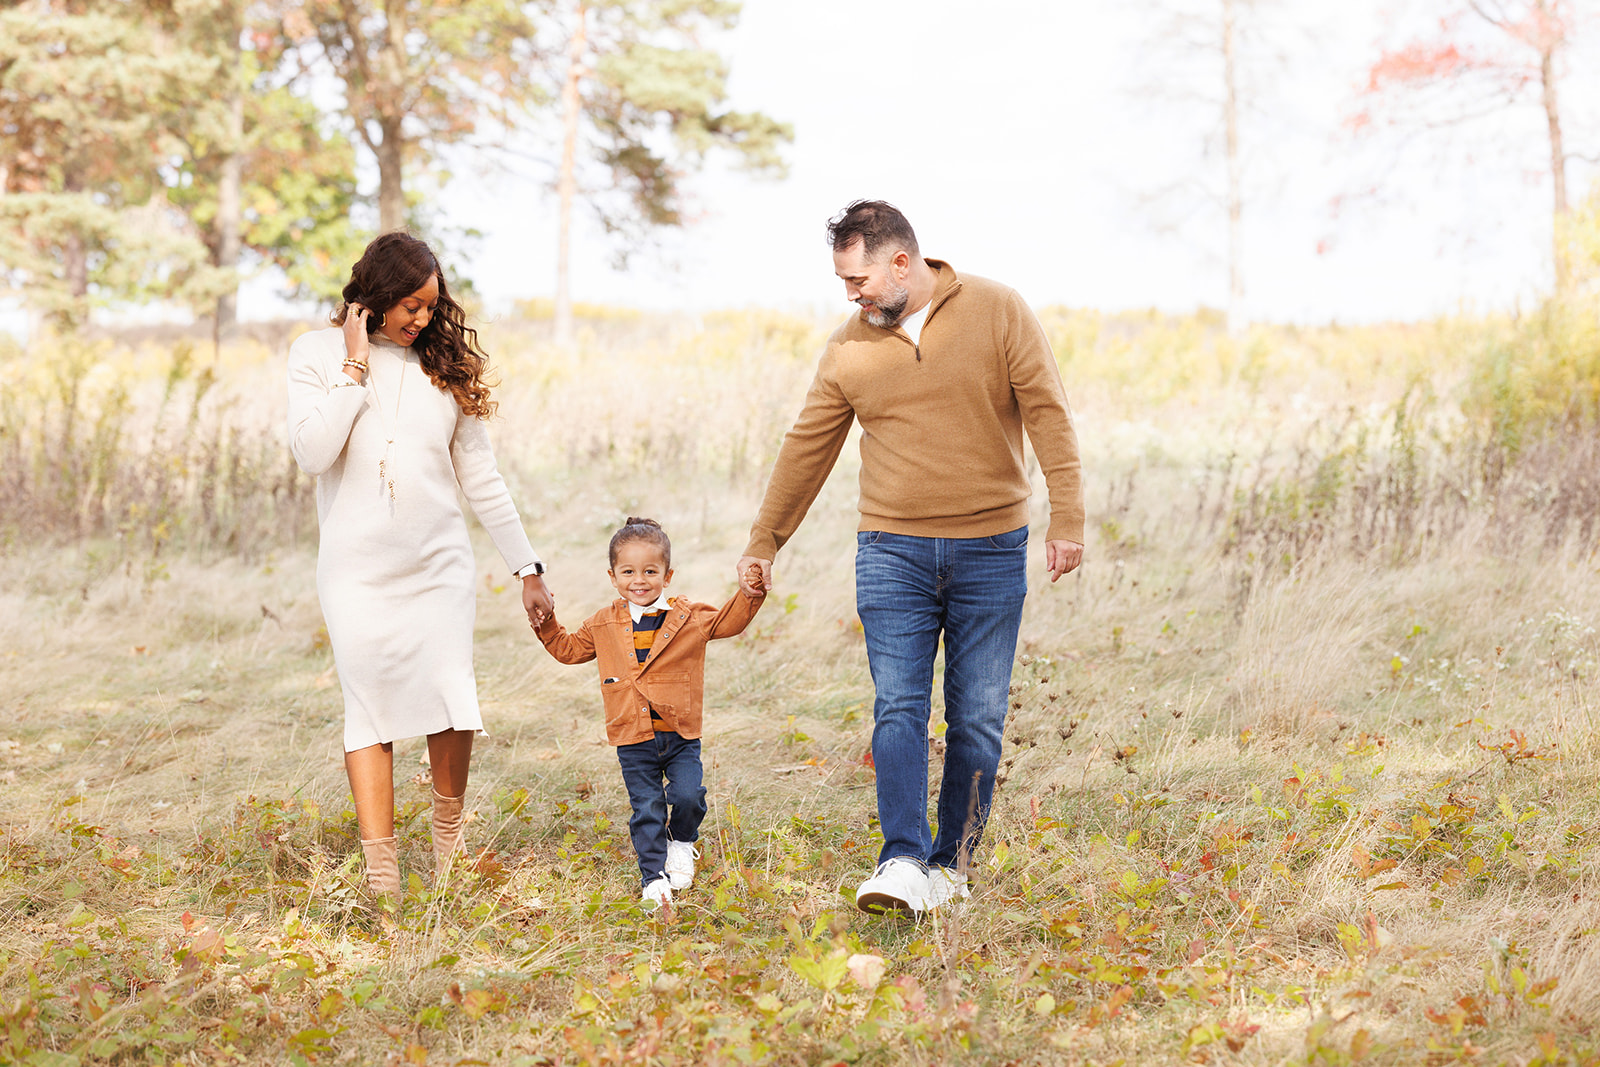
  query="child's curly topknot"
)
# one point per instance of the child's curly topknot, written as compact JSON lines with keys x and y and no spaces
{"x":639,"y":529}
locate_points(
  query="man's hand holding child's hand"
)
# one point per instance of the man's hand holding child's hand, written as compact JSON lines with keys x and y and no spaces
{"x":754,"y":574}
{"x":754,"y":580}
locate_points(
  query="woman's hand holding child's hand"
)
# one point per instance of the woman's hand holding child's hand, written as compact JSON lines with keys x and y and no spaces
{"x":537,"y":600}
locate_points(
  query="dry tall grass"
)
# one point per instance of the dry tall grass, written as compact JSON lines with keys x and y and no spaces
{"x":1302,"y":765}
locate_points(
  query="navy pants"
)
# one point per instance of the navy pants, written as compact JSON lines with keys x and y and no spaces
{"x":662,"y":773}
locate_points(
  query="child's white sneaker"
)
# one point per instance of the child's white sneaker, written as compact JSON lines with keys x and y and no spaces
{"x":657,"y":893}
{"x":680,"y":863}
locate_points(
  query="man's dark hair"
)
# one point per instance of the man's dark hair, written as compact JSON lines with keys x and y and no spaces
{"x":877,"y":224}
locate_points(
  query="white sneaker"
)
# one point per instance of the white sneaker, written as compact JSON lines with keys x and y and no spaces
{"x":657,"y":893}
{"x":680,"y":863}
{"x":900,"y":883}
{"x":946,"y":884}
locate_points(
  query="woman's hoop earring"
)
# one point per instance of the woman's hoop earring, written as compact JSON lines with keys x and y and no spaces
{"x":384,"y":317}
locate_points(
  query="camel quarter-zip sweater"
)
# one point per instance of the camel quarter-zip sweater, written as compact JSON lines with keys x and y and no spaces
{"x":941,"y":423}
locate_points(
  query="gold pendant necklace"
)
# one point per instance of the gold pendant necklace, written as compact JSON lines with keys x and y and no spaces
{"x":389,"y":426}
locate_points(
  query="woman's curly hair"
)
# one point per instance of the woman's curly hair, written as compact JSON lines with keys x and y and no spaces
{"x":393,"y":267}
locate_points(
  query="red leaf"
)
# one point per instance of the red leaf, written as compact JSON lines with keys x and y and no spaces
{"x":1419,"y":62}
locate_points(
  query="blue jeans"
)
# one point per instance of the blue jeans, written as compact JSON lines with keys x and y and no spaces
{"x":908,"y":590}
{"x":668,"y":758}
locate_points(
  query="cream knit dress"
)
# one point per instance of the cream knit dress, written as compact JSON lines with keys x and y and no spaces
{"x":396,"y":577}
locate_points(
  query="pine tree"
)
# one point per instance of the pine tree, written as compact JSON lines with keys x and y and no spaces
{"x":651,"y":99}
{"x":418,"y":75}
{"x":258,"y":175}
{"x":84,"y":217}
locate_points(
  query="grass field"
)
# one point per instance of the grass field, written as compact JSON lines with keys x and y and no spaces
{"x":1303,"y":764}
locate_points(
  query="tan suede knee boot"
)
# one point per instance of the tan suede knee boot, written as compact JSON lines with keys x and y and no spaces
{"x":383,"y":867}
{"x":448,"y":820}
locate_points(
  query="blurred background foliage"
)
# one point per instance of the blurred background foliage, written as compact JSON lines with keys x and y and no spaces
{"x":158,"y":150}
{"x":152,"y":150}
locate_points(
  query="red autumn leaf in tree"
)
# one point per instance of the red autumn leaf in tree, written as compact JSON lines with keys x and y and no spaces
{"x":1417,"y":62}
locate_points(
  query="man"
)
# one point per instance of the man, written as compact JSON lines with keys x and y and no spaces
{"x":944,"y":371}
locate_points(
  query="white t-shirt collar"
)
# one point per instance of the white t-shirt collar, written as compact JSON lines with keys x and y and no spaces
{"x":912,"y":324}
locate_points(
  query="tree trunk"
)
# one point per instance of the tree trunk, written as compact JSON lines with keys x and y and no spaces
{"x":391,"y":195}
{"x":390,"y":67}
{"x":1558,"y":156}
{"x":1230,"y":105}
{"x":76,"y":259}
{"x":567,"y":182}
{"x":230,"y":184}
{"x":75,"y":265}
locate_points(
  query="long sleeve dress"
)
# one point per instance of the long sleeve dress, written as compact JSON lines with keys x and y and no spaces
{"x":395,"y":572}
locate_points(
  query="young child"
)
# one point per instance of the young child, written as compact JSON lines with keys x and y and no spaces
{"x":652,"y":656}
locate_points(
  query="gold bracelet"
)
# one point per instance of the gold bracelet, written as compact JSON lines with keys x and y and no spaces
{"x":356,"y":363}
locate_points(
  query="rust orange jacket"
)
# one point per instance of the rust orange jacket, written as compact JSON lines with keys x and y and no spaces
{"x":672,"y":679}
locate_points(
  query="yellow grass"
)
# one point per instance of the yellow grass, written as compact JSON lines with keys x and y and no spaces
{"x":1266,"y":800}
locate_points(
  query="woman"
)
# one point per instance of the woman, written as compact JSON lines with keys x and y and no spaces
{"x":387,"y":410}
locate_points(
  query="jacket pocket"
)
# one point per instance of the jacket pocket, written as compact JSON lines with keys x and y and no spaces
{"x":669,"y":694}
{"x":620,"y":700}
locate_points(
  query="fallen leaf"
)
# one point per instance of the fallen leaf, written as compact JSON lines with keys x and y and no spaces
{"x":866,"y":970}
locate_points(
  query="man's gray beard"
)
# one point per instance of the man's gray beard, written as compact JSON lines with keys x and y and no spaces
{"x":885,"y":315}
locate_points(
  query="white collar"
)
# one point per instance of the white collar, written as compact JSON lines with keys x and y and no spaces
{"x":638,"y":612}
{"x":912,"y":324}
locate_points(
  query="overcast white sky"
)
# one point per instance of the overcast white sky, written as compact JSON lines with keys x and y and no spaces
{"x":1022,"y":139}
